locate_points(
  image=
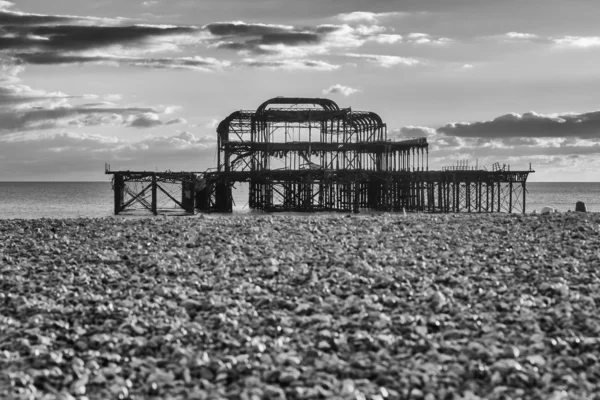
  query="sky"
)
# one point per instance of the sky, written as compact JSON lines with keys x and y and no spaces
{"x":142,"y":84}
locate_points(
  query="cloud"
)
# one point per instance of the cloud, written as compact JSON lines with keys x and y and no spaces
{"x":9,"y":69}
{"x":60,"y":154}
{"x":5,"y":4}
{"x":76,"y":35}
{"x":520,"y":36}
{"x":261,"y":39}
{"x":146,"y":120}
{"x":16,"y":94}
{"x":425,"y":38}
{"x":40,"y":39}
{"x":578,"y":41}
{"x":150,"y":3}
{"x":578,"y":125}
{"x":37,"y":39}
{"x":23,"y":109}
{"x":151,"y":120}
{"x":340,"y":89}
{"x":407,"y":132}
{"x":240,"y":28}
{"x":315,"y":65}
{"x":386,"y":61}
{"x":89,"y":37}
{"x":545,"y":140}
{"x":365,"y":16}
{"x":289,"y":41}
{"x":561,"y":41}
{"x":193,"y":63}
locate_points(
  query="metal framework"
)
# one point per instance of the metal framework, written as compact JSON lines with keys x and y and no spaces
{"x":308,"y":154}
{"x":154,"y":191}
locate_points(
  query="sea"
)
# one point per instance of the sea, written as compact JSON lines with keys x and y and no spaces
{"x":27,"y":200}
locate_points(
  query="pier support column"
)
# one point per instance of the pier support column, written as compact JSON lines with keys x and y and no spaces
{"x":223,"y":197}
{"x":188,"y":194}
{"x":154,"y":202}
{"x":499,"y":190}
{"x":119,"y":192}
{"x":524,"y":192}
{"x":510,"y":194}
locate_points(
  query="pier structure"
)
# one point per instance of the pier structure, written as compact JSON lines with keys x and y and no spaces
{"x":308,"y":154}
{"x":155,"y":191}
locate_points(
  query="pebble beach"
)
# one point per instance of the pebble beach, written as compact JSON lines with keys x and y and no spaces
{"x":381,"y":306}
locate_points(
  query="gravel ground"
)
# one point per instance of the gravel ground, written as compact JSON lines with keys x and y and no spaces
{"x":301,"y":307}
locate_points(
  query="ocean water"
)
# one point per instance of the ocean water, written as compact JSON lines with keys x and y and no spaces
{"x":24,"y":200}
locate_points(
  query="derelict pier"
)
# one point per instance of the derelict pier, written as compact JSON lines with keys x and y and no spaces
{"x":307,"y":154}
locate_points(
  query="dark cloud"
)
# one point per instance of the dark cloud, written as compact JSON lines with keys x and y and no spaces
{"x":76,"y":37}
{"x":54,"y":40}
{"x":289,"y":38}
{"x":243,"y":29}
{"x":263,"y":39}
{"x":239,"y":36}
{"x":583,"y":125}
{"x":24,"y":19}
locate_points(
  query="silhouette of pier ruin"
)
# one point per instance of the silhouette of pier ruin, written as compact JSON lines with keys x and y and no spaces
{"x":308,"y":154}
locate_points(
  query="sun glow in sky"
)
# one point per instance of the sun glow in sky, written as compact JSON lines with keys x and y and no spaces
{"x":142,"y":84}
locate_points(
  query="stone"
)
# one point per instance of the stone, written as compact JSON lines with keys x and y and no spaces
{"x":547,"y":210}
{"x":580,"y":206}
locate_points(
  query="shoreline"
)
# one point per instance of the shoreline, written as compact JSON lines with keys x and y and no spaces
{"x":144,"y":214}
{"x":359,"y":306}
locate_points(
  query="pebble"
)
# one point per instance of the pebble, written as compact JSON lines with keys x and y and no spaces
{"x":283,"y":306}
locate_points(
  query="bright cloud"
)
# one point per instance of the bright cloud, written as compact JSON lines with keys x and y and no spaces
{"x":315,"y":65}
{"x":578,"y":41}
{"x":365,"y":16}
{"x":340,"y":89}
{"x":424,"y":38}
{"x":520,"y":35}
{"x":386,"y":61}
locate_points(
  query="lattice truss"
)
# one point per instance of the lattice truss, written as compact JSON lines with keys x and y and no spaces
{"x":478,"y":196}
{"x":154,"y":191}
{"x":138,"y":195}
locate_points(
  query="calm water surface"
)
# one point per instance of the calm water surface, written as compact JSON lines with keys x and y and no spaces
{"x":94,"y":199}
